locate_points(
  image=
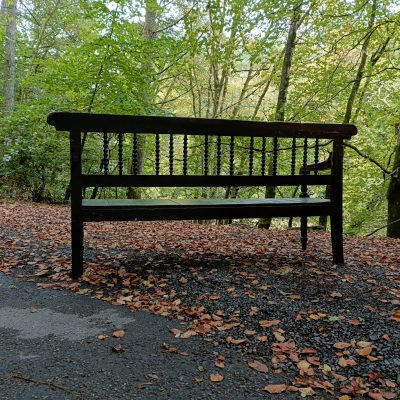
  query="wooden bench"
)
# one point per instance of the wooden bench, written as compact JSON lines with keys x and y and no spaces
{"x":229,"y":153}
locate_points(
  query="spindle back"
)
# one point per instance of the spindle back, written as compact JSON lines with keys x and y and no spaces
{"x":154,"y":151}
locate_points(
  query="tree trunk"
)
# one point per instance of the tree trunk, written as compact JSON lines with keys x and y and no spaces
{"x":323,"y":219}
{"x":149,"y":34}
{"x":9,"y":10}
{"x":393,"y":193}
{"x":270,"y":191}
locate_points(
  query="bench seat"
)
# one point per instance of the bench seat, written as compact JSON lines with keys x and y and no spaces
{"x":188,"y":209}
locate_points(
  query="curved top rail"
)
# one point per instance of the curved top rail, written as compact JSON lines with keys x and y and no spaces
{"x":88,"y":122}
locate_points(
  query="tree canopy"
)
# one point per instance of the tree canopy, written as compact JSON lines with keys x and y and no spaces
{"x":293,"y":60}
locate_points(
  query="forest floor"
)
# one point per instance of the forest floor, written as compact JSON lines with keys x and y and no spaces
{"x":299,"y":325}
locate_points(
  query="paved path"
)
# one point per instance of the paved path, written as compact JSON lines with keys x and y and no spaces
{"x":49,"y":350}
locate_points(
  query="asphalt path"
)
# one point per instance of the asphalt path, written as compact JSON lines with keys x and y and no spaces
{"x":49,"y":349}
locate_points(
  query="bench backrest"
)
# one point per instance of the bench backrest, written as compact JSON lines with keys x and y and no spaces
{"x":275,"y":152}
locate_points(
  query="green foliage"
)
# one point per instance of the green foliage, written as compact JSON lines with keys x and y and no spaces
{"x":207,"y":59}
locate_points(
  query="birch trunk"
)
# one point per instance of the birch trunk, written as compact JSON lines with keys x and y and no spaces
{"x":9,"y":11}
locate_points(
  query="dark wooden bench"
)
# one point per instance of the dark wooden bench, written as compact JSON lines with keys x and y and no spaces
{"x":230,"y":153}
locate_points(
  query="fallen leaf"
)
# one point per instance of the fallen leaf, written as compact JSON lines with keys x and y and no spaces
{"x":216,"y":378}
{"x":267,"y":324}
{"x":306,"y":391}
{"x":276,"y":388}
{"x":214,"y":296}
{"x":219,"y":364}
{"x":396,"y":316}
{"x":188,"y":334}
{"x":303,"y":365}
{"x":346,"y":362}
{"x":183,"y":280}
{"x":117,"y":349}
{"x":366,"y":351}
{"x":279,"y":337}
{"x":362,"y":343}
{"x":258,"y":366}
{"x":376,"y":395}
{"x":175,"y":331}
{"x":102,"y":337}
{"x":336,"y":294}
{"x":119,"y":334}
{"x":341,"y":345}
{"x":230,"y":340}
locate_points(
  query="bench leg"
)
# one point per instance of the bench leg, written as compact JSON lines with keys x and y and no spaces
{"x":337,"y":238}
{"x":77,"y":248}
{"x":303,"y":232}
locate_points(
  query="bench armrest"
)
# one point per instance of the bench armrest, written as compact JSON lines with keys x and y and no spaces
{"x":323,"y":165}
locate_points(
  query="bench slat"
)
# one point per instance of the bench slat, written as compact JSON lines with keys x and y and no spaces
{"x":184,"y":209}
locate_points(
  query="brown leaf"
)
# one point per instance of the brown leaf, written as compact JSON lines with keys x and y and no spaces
{"x":188,"y":334}
{"x":267,"y":324}
{"x":183,"y":280}
{"x":306,"y":391}
{"x":230,"y":340}
{"x":219,"y":364}
{"x":214,"y":296}
{"x":366,"y":351}
{"x":396,"y":316}
{"x":258,"y":366}
{"x":276,"y":388}
{"x":119,"y":334}
{"x":249,"y":333}
{"x":389,"y":395}
{"x":336,"y":294}
{"x":376,"y":395}
{"x":102,"y":337}
{"x":341,"y":345}
{"x":362,"y":343}
{"x":346,"y":362}
{"x":279,"y":337}
{"x":118,"y":349}
{"x":175,"y":331}
{"x":228,"y":327}
{"x":216,"y":378}
{"x":303,"y":365}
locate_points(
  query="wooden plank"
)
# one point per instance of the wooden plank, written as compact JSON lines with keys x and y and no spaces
{"x":85,"y":122}
{"x":199,"y":181}
{"x":146,"y":203}
{"x":191,"y":212}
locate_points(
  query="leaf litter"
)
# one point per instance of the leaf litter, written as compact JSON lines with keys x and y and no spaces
{"x":324,"y":330}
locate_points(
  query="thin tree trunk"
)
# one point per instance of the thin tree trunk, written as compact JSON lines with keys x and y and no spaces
{"x":270,"y":191}
{"x":323,"y":220}
{"x":149,"y":34}
{"x":393,"y":193}
{"x":9,"y":10}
